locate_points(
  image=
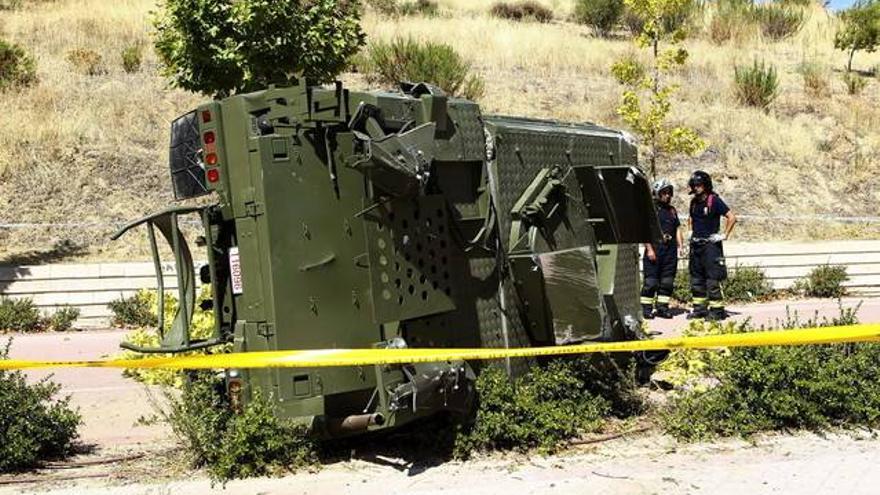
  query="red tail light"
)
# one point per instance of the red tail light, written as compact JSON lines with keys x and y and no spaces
{"x":213,"y":175}
{"x":211,"y":158}
{"x":206,"y":116}
{"x":209,"y":137}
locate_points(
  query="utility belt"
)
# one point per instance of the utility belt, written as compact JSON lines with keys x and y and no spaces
{"x":666,"y":238}
{"x":701,"y":240}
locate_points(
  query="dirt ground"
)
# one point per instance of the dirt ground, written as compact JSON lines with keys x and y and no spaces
{"x":112,"y":407}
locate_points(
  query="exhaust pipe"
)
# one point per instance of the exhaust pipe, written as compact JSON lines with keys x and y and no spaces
{"x":354,"y":423}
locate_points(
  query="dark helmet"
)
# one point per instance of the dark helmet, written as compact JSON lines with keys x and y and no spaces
{"x":700,"y":177}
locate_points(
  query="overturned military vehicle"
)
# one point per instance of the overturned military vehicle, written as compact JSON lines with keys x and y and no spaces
{"x":351,"y":219}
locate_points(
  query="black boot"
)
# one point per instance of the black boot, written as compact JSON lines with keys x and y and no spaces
{"x":698,"y":312}
{"x":647,"y":312}
{"x":717,"y":314}
{"x":663,"y":312}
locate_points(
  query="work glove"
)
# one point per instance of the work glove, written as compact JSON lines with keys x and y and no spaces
{"x":717,"y":237}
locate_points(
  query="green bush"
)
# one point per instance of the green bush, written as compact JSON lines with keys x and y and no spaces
{"x":816,"y":81}
{"x":548,"y":406}
{"x":19,"y":315}
{"x":132,"y":57}
{"x":601,"y":15}
{"x":133,"y":311}
{"x":628,"y":70}
{"x":778,"y":388}
{"x":681,"y":290}
{"x":35,"y":425}
{"x":17,"y":68}
{"x":523,"y":10}
{"x":253,"y":44}
{"x":747,"y":283}
{"x":426,"y":8}
{"x":384,"y":7}
{"x":235,"y":445}
{"x":756,"y":86}
{"x":405,"y":59}
{"x":62,"y":319}
{"x":85,"y":61}
{"x":854,"y":83}
{"x":779,"y":21}
{"x":825,"y":281}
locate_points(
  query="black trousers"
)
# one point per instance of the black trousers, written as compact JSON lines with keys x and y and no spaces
{"x":659,"y":275}
{"x":707,"y":269}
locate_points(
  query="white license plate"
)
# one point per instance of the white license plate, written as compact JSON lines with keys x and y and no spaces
{"x":235,"y":270}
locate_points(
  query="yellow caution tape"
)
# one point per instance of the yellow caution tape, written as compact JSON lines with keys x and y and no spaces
{"x":362,"y":357}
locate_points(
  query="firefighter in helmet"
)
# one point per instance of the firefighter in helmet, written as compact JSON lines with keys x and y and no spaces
{"x":707,"y":267}
{"x":660,"y":261}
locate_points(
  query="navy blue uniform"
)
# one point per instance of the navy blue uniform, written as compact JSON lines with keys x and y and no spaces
{"x":707,"y":267}
{"x":659,"y":275}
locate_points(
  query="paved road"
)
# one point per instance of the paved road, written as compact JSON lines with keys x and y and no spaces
{"x":112,"y":404}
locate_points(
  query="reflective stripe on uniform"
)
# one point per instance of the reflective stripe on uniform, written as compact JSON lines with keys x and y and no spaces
{"x":647,"y":300}
{"x":663,"y":299}
{"x":716,"y":304}
{"x":699,"y":301}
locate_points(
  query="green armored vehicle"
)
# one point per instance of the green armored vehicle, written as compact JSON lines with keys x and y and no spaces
{"x":373,"y":219}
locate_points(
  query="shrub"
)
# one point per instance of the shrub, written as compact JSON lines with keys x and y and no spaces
{"x":778,"y":21}
{"x":35,"y":425}
{"x":426,"y":8}
{"x":826,"y":281}
{"x":601,"y":15}
{"x":253,"y":44}
{"x":384,"y":7}
{"x":854,"y":83}
{"x":134,"y":311}
{"x":62,"y":319}
{"x":19,"y":315}
{"x":524,"y":10}
{"x":775,"y":388}
{"x":17,"y":68}
{"x":405,"y":59}
{"x":747,"y":283}
{"x":681,"y":291}
{"x":548,"y":406}
{"x":732,"y":19}
{"x":815,"y":76}
{"x":628,"y":70}
{"x":757,"y":85}
{"x":131,"y":58}
{"x":253,"y":443}
{"x":85,"y":61}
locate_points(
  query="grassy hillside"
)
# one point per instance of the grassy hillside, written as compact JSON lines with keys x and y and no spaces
{"x":91,"y":149}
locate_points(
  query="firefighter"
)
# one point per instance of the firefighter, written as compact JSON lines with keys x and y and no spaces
{"x":707,"y":267}
{"x":660,"y":261}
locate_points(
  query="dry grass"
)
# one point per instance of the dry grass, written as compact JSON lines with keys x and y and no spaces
{"x":92,"y":148}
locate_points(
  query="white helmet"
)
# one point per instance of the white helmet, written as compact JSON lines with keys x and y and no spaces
{"x":661,"y":185}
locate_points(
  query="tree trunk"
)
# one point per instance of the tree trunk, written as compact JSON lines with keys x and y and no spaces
{"x":849,"y":64}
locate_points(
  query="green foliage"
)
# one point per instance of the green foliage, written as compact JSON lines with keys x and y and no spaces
{"x":628,"y":69}
{"x":732,"y":19}
{"x":202,"y":327}
{"x":235,"y":445}
{"x":778,"y":21}
{"x":859,"y":29}
{"x":523,"y":10}
{"x":132,"y":57}
{"x":62,"y":319}
{"x":747,"y":283}
{"x":816,"y":81}
{"x":548,"y":406}
{"x":85,"y":61}
{"x":601,"y":15}
{"x":776,"y":388}
{"x":854,"y":83}
{"x":426,"y":8}
{"x":19,"y":315}
{"x":647,"y":101}
{"x":756,"y":86}
{"x":134,"y":311}
{"x":405,"y":59}
{"x":17,"y":68}
{"x":824,"y":281}
{"x":35,"y":425}
{"x":220,"y":47}
{"x":681,"y":291}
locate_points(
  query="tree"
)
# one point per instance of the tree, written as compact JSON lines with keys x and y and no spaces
{"x":221,"y":47}
{"x":646,"y":100}
{"x":860,"y":29}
